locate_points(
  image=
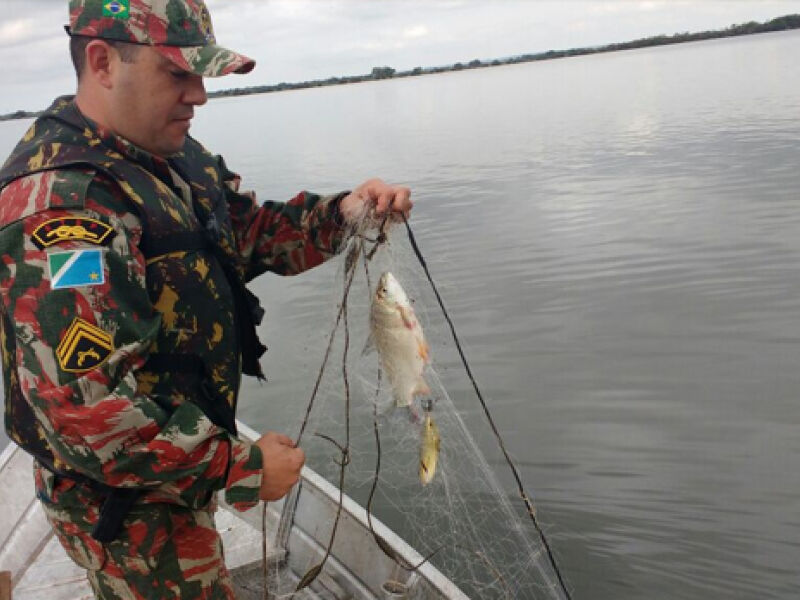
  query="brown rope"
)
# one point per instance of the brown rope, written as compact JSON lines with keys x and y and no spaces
{"x":351,"y":263}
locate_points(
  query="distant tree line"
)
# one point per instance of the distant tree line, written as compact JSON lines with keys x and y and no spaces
{"x":385,"y":72}
{"x":779,"y":24}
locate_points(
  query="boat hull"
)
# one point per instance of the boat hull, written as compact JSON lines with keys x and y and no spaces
{"x":356,"y":569}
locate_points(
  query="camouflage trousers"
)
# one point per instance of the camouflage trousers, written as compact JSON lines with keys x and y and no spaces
{"x":164,"y":551}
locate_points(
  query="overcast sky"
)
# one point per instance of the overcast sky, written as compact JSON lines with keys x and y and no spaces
{"x":296,"y":40}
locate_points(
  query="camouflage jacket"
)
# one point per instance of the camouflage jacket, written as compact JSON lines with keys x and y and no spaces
{"x":111,"y":257}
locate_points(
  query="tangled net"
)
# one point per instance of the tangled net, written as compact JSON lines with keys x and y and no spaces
{"x":462,"y":521}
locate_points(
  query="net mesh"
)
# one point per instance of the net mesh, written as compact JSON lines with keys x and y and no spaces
{"x":476,"y":533}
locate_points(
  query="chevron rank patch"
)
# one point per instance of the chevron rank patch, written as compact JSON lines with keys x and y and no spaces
{"x":83,"y":347}
{"x":69,"y":229}
{"x":75,"y":268}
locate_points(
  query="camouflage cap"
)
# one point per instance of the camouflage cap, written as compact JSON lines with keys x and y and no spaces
{"x":180,"y":30}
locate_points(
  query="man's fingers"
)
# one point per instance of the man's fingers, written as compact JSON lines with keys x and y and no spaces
{"x":393,"y":198}
{"x":300,"y":456}
{"x":384,"y":201}
{"x":378,"y":198}
{"x":284,"y":439}
{"x":273,"y":437}
{"x":282,"y":465}
{"x":402,"y":200}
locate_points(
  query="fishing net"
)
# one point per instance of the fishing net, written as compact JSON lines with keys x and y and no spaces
{"x":478,"y":534}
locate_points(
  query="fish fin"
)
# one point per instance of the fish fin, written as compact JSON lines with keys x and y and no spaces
{"x":369,"y":345}
{"x":408,"y":318}
{"x":424,"y":351}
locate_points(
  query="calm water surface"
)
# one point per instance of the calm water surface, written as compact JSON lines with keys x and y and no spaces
{"x":618,"y":240}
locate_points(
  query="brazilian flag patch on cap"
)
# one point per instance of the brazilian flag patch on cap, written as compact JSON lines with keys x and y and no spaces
{"x":117,"y":9}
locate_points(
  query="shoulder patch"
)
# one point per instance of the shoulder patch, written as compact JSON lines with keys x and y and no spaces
{"x":75,"y":268}
{"x":84,"y":347}
{"x":68,"y":229}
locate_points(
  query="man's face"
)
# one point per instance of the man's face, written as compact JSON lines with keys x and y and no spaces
{"x":153,"y":102}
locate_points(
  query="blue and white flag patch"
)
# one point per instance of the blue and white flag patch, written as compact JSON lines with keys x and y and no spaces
{"x":75,"y":268}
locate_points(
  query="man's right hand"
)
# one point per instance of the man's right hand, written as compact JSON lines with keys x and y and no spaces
{"x":282,"y":464}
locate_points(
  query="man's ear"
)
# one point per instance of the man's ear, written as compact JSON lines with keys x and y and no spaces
{"x":100,"y":59}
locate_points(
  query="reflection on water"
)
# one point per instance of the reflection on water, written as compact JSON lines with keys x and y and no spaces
{"x":617,"y":237}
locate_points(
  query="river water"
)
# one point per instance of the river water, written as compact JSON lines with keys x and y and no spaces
{"x":617,"y":238}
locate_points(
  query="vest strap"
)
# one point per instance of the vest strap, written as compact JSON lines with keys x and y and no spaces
{"x":115,"y":508}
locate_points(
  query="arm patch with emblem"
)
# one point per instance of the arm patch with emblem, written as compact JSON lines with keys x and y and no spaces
{"x":69,"y":229}
{"x":84,"y":347}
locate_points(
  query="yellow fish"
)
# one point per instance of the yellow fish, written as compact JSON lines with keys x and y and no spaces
{"x":429,"y":449}
{"x":399,"y":340}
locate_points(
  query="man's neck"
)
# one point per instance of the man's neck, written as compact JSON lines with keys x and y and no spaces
{"x":87,"y":102}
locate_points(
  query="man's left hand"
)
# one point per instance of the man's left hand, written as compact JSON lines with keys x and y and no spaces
{"x":379,"y":196}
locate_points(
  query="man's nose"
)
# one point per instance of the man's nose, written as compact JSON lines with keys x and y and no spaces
{"x":195,"y":93}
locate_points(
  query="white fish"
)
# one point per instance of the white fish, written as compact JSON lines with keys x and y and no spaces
{"x":398,"y":338}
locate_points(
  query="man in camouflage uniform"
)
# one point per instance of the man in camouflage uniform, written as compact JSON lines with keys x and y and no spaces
{"x":125,"y":321}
